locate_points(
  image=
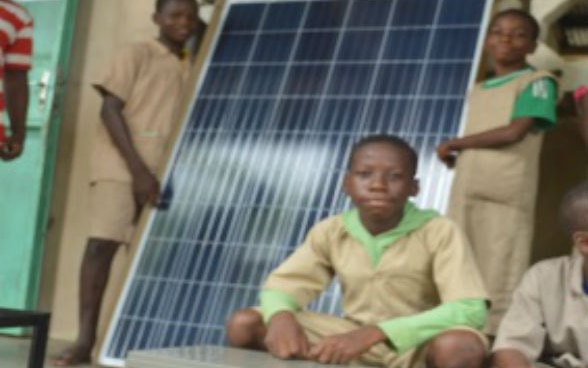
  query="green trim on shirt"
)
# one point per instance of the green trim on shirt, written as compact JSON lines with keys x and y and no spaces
{"x":538,"y":100}
{"x":412,"y":219}
{"x":411,"y":331}
{"x":274,"y":301}
{"x":503,"y":79}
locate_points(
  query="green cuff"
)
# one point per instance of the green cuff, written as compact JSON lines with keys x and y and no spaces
{"x":401,"y":332}
{"x":411,"y":331}
{"x":274,"y":301}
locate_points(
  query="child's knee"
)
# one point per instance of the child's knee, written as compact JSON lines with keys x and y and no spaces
{"x":244,"y":327}
{"x":456,"y":349}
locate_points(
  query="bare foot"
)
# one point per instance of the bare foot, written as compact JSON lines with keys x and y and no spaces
{"x":74,"y":355}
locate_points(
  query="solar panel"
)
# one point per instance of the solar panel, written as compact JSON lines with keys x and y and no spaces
{"x":287,"y":87}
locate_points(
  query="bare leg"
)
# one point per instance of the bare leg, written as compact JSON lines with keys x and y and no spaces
{"x":245,"y":329}
{"x":456,"y":349}
{"x":94,"y":274}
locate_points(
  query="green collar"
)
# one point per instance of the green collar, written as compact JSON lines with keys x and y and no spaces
{"x":412,"y":219}
{"x":499,"y":81}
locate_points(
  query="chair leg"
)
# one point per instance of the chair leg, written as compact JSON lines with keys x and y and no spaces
{"x":39,"y":342}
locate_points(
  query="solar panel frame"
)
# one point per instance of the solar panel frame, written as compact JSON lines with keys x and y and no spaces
{"x":427,"y":164}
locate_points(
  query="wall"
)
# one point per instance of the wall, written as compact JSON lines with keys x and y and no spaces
{"x":563,"y":158}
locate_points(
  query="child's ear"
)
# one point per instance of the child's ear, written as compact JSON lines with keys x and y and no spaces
{"x":416,"y":187}
{"x":580,"y":239}
{"x":533,"y":47}
{"x":155,"y":18}
{"x":346,"y":184}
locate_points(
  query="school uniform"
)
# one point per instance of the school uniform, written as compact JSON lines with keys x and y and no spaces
{"x":494,"y":189}
{"x":548,"y":317}
{"x":151,"y":81}
{"x":385,"y":280}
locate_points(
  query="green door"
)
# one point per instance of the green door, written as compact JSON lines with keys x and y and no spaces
{"x":25,"y":184}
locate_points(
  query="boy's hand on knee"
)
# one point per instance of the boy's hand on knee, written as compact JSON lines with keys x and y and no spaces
{"x":285,"y":338}
{"x":343,"y":348}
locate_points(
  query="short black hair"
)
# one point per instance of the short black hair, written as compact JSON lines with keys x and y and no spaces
{"x":531,"y":21}
{"x":159,"y":4}
{"x":391,"y":140}
{"x":574,"y":209}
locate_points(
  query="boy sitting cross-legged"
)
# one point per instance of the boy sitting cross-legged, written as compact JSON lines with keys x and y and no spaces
{"x":411,"y":289}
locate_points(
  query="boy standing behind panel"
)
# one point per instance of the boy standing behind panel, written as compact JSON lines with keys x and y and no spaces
{"x":493,"y":194}
{"x":142,"y":90}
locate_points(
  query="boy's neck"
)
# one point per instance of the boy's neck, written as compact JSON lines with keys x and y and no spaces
{"x":174,"y":47}
{"x":380,"y":226}
{"x":505,"y":69}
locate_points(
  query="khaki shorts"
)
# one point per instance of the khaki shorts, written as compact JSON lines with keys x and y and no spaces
{"x":113,"y":211}
{"x":317,"y":326}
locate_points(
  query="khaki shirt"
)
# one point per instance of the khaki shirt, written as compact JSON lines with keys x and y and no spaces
{"x":549,"y":312}
{"x":430,"y":265}
{"x":151,"y":81}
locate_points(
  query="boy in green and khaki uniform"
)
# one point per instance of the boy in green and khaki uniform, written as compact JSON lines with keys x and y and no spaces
{"x":411,"y":289}
{"x":497,"y":159}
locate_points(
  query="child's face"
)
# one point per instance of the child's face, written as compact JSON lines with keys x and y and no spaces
{"x":379,"y":181}
{"x":510,"y":40}
{"x":177,"y":20}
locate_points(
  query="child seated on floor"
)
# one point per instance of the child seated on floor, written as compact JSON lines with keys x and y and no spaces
{"x":411,"y":288}
{"x":548,"y":316}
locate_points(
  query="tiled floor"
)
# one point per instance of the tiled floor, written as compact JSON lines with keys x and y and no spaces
{"x":14,"y":352}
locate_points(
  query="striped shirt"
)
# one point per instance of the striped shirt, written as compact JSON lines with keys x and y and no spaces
{"x":16,"y":41}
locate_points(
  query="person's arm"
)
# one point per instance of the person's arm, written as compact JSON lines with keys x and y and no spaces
{"x":285,"y":338}
{"x":521,"y":335}
{"x":411,"y":331}
{"x":303,"y":275}
{"x":145,"y":184}
{"x":533,"y":108}
{"x":292,"y":285}
{"x":494,"y":138}
{"x":16,"y":96}
{"x":17,"y":62}
{"x":343,"y":348}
